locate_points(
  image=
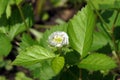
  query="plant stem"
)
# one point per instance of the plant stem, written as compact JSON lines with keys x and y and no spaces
{"x":113,"y":37}
{"x":106,"y":28}
{"x":80,"y":75}
{"x":22,"y":16}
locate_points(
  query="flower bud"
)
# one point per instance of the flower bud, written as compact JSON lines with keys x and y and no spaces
{"x":58,"y":39}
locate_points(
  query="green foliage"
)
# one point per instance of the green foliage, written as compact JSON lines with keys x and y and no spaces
{"x":94,"y":42}
{"x":72,"y":57}
{"x":104,"y":4}
{"x":99,"y":40}
{"x":18,"y":1}
{"x":80,"y":30}
{"x":32,"y":55}
{"x":71,"y":74}
{"x":52,"y":63}
{"x":2,"y":78}
{"x":5,"y":43}
{"x":46,"y":70}
{"x":96,"y":76}
{"x":41,"y":70}
{"x":16,"y":23}
{"x":96,"y":62}
{"x":21,"y":76}
{"x":58,"y":64}
{"x":3,"y":5}
{"x":27,"y":41}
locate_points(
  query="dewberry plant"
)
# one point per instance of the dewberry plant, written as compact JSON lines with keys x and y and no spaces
{"x":84,"y":48}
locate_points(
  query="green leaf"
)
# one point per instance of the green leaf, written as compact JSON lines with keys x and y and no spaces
{"x":99,"y":40}
{"x":3,"y":5}
{"x":21,"y":76}
{"x":5,"y":45}
{"x":18,"y":1}
{"x":109,"y":16}
{"x":8,"y":11}
{"x":41,"y":70}
{"x":27,"y":41}
{"x":46,"y":70}
{"x":96,"y":62}
{"x":3,"y":78}
{"x":58,"y":64}
{"x":16,"y":23}
{"x":32,"y":55}
{"x":104,"y":4}
{"x":80,"y":30}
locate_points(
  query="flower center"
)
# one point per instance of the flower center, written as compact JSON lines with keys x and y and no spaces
{"x":58,"y":39}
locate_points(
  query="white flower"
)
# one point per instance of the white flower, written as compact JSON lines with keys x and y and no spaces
{"x":58,"y":39}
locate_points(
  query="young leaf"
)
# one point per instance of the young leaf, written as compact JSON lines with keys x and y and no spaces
{"x":80,"y":30}
{"x":5,"y":45}
{"x":58,"y":64}
{"x":8,"y":11}
{"x":3,"y":5}
{"x":41,"y":70}
{"x":33,"y":55}
{"x":27,"y":41}
{"x":22,"y":76}
{"x":96,"y":62}
{"x":99,"y":40}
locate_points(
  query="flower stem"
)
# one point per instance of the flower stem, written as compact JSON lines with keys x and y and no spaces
{"x":22,"y":16}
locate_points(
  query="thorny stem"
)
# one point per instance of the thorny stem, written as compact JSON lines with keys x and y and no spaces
{"x":106,"y":28}
{"x":22,"y":16}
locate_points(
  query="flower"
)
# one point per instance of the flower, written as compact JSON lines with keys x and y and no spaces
{"x":58,"y":39}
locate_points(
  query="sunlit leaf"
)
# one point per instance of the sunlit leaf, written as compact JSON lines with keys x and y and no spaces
{"x":80,"y":30}
{"x":41,"y":70}
{"x":58,"y":64}
{"x":3,"y":5}
{"x":99,"y":40}
{"x":5,"y":45}
{"x":96,"y":62}
{"x":32,"y":55}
